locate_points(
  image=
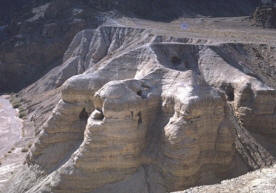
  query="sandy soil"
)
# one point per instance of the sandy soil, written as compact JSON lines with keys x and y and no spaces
{"x":10,"y":125}
{"x":10,"y":134}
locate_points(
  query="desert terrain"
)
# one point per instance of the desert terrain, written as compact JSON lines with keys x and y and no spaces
{"x":132,"y":102}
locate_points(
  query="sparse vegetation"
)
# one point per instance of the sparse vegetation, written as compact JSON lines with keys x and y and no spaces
{"x":11,"y":150}
{"x":17,"y":103}
{"x":30,"y":145}
{"x":22,"y":113}
{"x":24,"y":150}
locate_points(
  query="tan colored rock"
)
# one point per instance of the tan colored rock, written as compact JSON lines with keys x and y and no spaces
{"x":256,"y":182}
{"x":146,"y":109}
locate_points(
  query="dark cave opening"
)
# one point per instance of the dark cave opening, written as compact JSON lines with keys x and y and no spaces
{"x":98,"y":114}
{"x":139,"y":118}
{"x":83,"y":115}
{"x":230,"y":94}
{"x":175,"y":60}
{"x":229,"y":91}
{"x":139,"y":93}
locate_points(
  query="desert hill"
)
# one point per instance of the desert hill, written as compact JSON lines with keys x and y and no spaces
{"x":141,"y":97}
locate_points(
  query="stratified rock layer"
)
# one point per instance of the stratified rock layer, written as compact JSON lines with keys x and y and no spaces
{"x":35,"y":34}
{"x":258,"y":181}
{"x":265,"y":17}
{"x":155,"y":111}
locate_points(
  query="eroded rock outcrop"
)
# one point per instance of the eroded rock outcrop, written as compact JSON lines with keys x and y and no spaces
{"x":154,"y":111}
{"x":35,"y":34}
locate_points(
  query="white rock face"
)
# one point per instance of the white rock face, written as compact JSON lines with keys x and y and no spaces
{"x":147,"y":110}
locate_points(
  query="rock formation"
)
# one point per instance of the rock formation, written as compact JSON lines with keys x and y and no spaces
{"x":155,"y":111}
{"x":258,"y":181}
{"x":35,"y":34}
{"x":136,"y":105}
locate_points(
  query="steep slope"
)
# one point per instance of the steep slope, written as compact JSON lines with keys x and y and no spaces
{"x":35,"y":34}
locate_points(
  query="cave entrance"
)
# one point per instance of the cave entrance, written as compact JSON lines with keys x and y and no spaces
{"x":230,"y":94}
{"x":175,"y":60}
{"x":229,"y":91}
{"x":83,"y":115}
{"x":139,"y":118}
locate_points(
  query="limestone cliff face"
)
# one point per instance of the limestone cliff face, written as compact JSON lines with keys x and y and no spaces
{"x":157,"y":112}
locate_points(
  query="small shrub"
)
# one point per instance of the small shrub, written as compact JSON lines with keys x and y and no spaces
{"x":16,"y":105}
{"x":15,"y":101}
{"x":22,"y":114}
{"x":24,"y":150}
